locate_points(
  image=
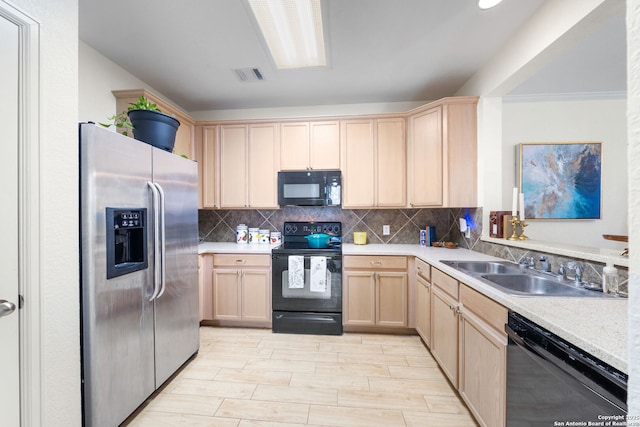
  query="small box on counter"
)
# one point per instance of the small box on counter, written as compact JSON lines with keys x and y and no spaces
{"x":497,"y":222}
{"x":431,"y":235}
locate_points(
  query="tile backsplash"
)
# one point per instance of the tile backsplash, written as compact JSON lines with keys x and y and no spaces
{"x":592,"y":271}
{"x":405,"y":224}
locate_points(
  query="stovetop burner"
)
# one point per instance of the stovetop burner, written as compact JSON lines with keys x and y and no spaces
{"x":294,"y":241}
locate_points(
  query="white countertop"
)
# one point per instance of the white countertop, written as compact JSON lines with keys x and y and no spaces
{"x":234,"y":248}
{"x":597,"y":325}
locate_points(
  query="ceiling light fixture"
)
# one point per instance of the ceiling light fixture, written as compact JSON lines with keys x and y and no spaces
{"x":487,"y":4}
{"x":292,"y":30}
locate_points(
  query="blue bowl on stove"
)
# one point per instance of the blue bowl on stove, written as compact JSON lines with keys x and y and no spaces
{"x":318,"y":240}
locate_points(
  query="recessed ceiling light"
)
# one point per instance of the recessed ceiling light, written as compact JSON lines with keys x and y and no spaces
{"x":292,"y":30}
{"x":487,"y":4}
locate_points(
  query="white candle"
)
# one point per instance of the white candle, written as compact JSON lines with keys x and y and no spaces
{"x":521,"y":206}
{"x":514,"y":207}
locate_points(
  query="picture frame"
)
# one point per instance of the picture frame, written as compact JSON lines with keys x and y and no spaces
{"x":560,"y":180}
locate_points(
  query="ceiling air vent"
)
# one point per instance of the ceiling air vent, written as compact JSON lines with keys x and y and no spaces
{"x":248,"y":74}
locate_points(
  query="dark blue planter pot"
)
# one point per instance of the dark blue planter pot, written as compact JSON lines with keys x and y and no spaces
{"x":154,"y":128}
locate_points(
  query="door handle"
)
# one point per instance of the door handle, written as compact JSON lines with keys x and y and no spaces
{"x":163,"y":241}
{"x":6,"y":308}
{"x":156,"y":240}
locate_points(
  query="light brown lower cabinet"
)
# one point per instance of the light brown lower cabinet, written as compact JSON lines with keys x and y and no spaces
{"x":205,"y":269}
{"x":444,"y":332}
{"x":422,"y":305}
{"x":469,"y":343}
{"x":375,"y":291}
{"x":483,"y":357}
{"x":241,"y":288}
{"x":482,"y":371}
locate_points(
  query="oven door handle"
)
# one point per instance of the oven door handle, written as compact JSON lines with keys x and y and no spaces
{"x":561,"y":370}
{"x":307,"y":316}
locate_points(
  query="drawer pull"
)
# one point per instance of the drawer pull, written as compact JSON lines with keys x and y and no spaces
{"x":241,"y":261}
{"x":376,"y":262}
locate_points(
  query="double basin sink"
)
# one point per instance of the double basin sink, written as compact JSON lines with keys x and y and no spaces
{"x":515,"y":280}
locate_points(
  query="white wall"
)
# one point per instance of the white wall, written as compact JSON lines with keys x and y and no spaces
{"x":633,"y":118}
{"x":59,"y":275}
{"x":572,"y":121}
{"x":97,"y":77}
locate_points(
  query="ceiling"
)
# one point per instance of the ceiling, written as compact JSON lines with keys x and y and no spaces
{"x":378,"y":51}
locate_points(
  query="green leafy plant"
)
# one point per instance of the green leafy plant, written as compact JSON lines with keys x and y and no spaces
{"x":121,"y":120}
{"x":143,"y":104}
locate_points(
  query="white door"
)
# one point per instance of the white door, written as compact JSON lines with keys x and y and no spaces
{"x":9,"y":328}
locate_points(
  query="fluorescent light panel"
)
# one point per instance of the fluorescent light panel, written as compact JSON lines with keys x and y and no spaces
{"x":488,"y":4}
{"x":292,"y":30}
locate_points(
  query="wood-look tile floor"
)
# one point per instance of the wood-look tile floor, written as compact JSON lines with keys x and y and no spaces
{"x":253,"y":377}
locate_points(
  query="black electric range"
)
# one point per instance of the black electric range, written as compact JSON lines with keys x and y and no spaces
{"x":294,"y":237}
{"x":313,"y":304}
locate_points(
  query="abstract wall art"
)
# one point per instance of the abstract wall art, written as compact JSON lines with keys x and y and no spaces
{"x":561,"y":180}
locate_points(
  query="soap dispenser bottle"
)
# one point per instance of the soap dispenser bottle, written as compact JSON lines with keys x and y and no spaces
{"x":610,"y":280}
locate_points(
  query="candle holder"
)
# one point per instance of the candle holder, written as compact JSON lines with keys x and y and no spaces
{"x":514,"y":226}
{"x":522,"y":235}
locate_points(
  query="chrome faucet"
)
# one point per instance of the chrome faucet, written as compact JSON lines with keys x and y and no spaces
{"x":527,"y":262}
{"x":573,"y":266}
{"x":545,"y":266}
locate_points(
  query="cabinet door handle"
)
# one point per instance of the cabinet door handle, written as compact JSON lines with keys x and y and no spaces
{"x":458,"y":312}
{"x":452,"y":307}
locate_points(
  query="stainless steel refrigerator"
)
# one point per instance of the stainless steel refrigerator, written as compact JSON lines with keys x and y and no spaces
{"x":139,"y":271}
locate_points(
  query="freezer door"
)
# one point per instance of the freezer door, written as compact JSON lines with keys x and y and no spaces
{"x":176,"y":307}
{"x":117,"y":317}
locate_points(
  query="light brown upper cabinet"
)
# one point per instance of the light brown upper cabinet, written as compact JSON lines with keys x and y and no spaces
{"x":249,"y":157}
{"x":310,"y":145}
{"x":207,"y":156}
{"x":443,"y":153}
{"x":391,"y":163}
{"x":373,"y":163}
{"x":358,"y":170}
{"x":263,"y":166}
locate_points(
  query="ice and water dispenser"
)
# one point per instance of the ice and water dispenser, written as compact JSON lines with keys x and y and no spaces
{"x":126,"y":241}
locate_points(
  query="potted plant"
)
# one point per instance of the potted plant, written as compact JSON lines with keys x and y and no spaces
{"x":148,"y":123}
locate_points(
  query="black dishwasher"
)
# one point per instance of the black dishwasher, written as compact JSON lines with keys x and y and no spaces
{"x":551,"y":382}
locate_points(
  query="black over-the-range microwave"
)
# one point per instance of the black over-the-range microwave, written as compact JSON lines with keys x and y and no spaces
{"x":309,"y":188}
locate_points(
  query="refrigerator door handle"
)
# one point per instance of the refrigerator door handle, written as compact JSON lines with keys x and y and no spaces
{"x":156,"y":241}
{"x":163,"y":242}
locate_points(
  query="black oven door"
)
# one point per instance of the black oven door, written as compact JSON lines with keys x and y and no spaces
{"x":286,"y":297}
